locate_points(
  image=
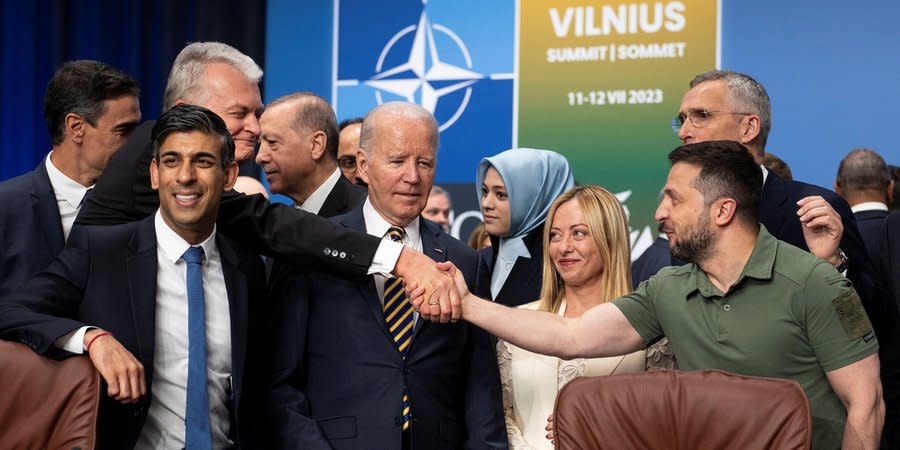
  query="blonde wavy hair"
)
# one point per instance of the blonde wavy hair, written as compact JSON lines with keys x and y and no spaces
{"x":609,"y":228}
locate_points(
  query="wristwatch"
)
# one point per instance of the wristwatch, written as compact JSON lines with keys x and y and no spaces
{"x":842,"y":267}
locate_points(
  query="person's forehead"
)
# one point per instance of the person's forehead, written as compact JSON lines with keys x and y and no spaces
{"x":713,"y":91}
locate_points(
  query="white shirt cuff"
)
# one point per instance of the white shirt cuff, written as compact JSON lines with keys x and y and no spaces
{"x":385,"y":258}
{"x":73,"y":342}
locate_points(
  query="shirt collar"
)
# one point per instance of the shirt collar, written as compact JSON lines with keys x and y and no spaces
{"x":512,"y":248}
{"x":66,"y":188}
{"x":377,"y":226}
{"x":315,"y":200}
{"x":868,"y":206}
{"x":173,"y":245}
{"x":765,"y":173}
{"x":759,"y":266}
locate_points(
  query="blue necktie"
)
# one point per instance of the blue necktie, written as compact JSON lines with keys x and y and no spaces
{"x":196,"y":420}
{"x":398,"y":315}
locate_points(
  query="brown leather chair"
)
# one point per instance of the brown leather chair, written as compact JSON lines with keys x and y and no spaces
{"x":672,"y":410}
{"x":47,"y":404}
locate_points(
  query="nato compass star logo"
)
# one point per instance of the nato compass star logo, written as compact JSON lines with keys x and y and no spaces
{"x":423,"y":77}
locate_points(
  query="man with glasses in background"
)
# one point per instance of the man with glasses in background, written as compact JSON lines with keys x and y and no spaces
{"x":725,"y":105}
{"x":348,"y":146}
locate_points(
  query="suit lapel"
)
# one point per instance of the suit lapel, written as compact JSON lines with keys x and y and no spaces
{"x":772,"y":203}
{"x":46,"y":210}
{"x":435,"y":248}
{"x":141,"y":267}
{"x":236,"y":289}
{"x":355,"y":221}
{"x":335,"y":203}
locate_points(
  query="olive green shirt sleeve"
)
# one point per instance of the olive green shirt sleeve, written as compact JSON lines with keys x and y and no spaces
{"x":640,"y":310}
{"x":837,"y":326}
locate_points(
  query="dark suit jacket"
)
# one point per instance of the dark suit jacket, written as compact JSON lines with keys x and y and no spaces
{"x":524,"y":282}
{"x":338,"y":377}
{"x":123,"y":194}
{"x":871,"y":226}
{"x":106,"y":277}
{"x":889,"y":352}
{"x":30,"y":229}
{"x":778,"y":212}
{"x":342,"y":198}
{"x":654,"y":258}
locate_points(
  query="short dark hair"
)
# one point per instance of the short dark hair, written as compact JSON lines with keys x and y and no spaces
{"x":81,"y":87}
{"x":187,"y":118}
{"x":863,"y":169}
{"x":313,"y":113}
{"x":726,"y":170}
{"x":347,"y":122}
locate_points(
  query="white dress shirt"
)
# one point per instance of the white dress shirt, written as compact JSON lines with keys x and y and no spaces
{"x":164,"y":428}
{"x":868,"y":206}
{"x":69,"y":194}
{"x":315,"y":200}
{"x":378,"y":226}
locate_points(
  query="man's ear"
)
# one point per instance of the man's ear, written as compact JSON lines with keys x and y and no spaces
{"x":231,"y":174}
{"x":837,"y":188}
{"x":154,"y":174}
{"x":750,"y":128}
{"x":890,"y":191}
{"x":74,"y":127}
{"x":725,"y":210}
{"x":362,"y":166}
{"x":319,"y":141}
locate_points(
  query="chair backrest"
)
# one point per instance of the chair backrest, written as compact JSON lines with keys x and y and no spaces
{"x":47,"y":404}
{"x":672,"y":410}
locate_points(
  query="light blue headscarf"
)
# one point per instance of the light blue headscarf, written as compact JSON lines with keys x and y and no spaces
{"x":533,"y":179}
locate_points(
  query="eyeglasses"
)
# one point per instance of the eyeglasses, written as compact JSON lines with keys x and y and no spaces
{"x":699,"y":118}
{"x":347,"y":162}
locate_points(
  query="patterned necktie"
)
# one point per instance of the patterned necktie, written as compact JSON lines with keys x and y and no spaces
{"x":196,"y":420}
{"x":398,"y":315}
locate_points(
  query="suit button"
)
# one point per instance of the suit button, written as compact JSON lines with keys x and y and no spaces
{"x":405,"y":371}
{"x":327,"y":251}
{"x":343,"y":255}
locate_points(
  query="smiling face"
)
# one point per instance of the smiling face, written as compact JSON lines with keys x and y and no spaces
{"x":235,"y":99}
{"x":684,"y":216}
{"x":572,"y":248}
{"x":495,"y":204}
{"x":190,"y":179}
{"x":399,"y":167}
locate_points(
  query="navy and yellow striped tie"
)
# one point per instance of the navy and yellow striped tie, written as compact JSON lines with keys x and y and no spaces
{"x":398,"y":313}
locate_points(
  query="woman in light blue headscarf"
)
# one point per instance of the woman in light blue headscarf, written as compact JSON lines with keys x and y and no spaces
{"x":516,"y":189}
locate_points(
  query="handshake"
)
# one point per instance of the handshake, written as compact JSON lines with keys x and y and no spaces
{"x":438,"y":293}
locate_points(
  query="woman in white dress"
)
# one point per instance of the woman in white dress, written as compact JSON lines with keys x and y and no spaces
{"x":587,"y":261}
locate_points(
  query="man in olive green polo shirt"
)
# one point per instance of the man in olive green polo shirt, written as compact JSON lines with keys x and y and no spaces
{"x":747,"y":303}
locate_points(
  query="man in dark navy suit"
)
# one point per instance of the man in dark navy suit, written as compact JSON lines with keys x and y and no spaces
{"x":355,"y":367}
{"x":864,"y":180}
{"x":91,"y":109}
{"x":126,"y":295}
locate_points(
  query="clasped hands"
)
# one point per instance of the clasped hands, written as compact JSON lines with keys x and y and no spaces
{"x":441,"y":300}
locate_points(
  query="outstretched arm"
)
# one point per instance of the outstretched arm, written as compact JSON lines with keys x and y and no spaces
{"x":601,"y":331}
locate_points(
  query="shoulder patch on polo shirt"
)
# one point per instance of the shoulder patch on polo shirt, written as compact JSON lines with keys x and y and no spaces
{"x":852,"y":315}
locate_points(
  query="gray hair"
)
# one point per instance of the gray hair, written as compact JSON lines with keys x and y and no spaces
{"x":745,"y":93}
{"x":863,"y":169}
{"x":399,"y":109}
{"x":437,"y":190}
{"x":313,"y":113}
{"x":185,"y":79}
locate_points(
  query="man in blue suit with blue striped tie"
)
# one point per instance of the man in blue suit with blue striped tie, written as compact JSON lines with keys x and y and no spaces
{"x":166,"y":308}
{"x":355,"y":368}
